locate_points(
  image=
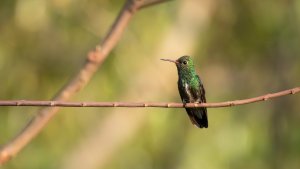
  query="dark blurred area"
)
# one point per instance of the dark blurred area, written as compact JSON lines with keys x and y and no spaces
{"x":242,"y":49}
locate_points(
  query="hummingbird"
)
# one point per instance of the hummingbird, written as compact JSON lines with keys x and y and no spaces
{"x":191,"y":90}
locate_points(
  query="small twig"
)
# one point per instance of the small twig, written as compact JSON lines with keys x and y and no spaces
{"x":94,"y":60}
{"x":151,"y":3}
{"x":148,"y":104}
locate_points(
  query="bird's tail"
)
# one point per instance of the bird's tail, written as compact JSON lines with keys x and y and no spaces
{"x":199,"y":117}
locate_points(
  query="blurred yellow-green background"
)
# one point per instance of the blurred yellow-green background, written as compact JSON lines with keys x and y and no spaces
{"x":241,"y":48}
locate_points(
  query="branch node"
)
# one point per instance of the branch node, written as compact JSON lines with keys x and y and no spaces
{"x":230,"y":103}
{"x":134,"y":5}
{"x":115,"y":104}
{"x":266,"y":97}
{"x":83,"y":104}
{"x":293,"y":91}
{"x":146,"y":104}
{"x":20,"y":102}
{"x":52,"y":103}
{"x":95,"y":55}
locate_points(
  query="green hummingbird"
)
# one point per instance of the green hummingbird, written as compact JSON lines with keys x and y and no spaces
{"x":191,"y":90}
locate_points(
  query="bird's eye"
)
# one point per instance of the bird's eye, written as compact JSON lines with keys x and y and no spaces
{"x":184,"y":62}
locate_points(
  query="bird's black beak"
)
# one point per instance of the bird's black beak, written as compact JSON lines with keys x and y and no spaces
{"x":169,"y":60}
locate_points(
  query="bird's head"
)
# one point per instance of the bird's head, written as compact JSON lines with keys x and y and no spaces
{"x":184,"y":64}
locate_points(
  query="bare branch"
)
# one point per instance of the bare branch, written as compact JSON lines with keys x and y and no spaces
{"x":149,"y":104}
{"x":94,"y":60}
{"x":151,"y":3}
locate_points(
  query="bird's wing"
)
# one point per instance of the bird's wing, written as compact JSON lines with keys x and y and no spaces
{"x":200,"y":114}
{"x":199,"y":92}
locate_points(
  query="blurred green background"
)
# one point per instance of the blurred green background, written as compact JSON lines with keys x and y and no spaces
{"x":241,"y":48}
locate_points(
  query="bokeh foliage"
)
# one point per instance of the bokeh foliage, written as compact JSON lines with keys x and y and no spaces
{"x":250,"y":48}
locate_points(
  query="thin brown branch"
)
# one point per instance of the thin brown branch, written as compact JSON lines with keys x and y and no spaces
{"x":149,"y":104}
{"x":94,"y":60}
{"x":151,"y":3}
